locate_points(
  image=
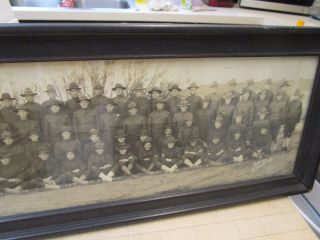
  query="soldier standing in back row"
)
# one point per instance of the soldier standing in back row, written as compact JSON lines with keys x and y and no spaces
{"x":252,"y":94}
{"x":180,"y":117}
{"x":260,"y":102}
{"x":35,"y":109}
{"x":215,"y":99}
{"x":174,"y":100}
{"x":187,"y":131}
{"x":84,"y":119}
{"x":73,"y":104}
{"x":226,"y":109}
{"x":138,"y":96}
{"x":236,"y":95}
{"x":267,"y":86}
{"x":8,"y":112}
{"x":98,"y":101}
{"x":193,"y":99}
{"x":120,"y":100}
{"x":52,"y":97}
{"x":203,"y":118}
{"x":148,"y":157}
{"x":245,"y":108}
{"x":155,"y":93}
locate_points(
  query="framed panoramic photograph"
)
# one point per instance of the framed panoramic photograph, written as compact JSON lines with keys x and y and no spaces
{"x":108,"y":123}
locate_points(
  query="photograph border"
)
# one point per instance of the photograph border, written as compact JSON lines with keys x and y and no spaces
{"x":103,"y":41}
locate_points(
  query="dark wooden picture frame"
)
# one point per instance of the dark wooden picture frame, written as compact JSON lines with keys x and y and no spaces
{"x":56,"y":42}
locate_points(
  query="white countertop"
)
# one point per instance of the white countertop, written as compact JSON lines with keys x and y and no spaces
{"x":143,"y":14}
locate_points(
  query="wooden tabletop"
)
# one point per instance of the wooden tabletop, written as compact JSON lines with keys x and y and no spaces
{"x":275,"y":219}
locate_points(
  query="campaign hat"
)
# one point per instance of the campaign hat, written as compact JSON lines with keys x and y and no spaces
{"x":137,"y":86}
{"x":123,"y":146}
{"x":43,"y":148}
{"x":193,"y":85}
{"x":73,"y":85}
{"x":98,"y":86}
{"x":120,"y":133}
{"x":170,"y":140}
{"x":214,"y":84}
{"x":118,"y":85}
{"x":27,"y":92}
{"x":174,"y":86}
{"x":155,"y":89}
{"x":50,"y":88}
{"x":84,"y":98}
{"x":131,"y":105}
{"x":160,"y":100}
{"x":6,"y":96}
{"x":232,"y":82}
{"x":65,"y":129}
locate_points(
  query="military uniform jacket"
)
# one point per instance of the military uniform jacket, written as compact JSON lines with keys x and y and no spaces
{"x":31,"y":148}
{"x":9,"y":115}
{"x":193,"y":153}
{"x":217,"y":132}
{"x":277,"y":111}
{"x":226,"y":111}
{"x":195,"y":103}
{"x":179,"y":120}
{"x":133,"y":125}
{"x":173,"y":103}
{"x":100,"y":160}
{"x":84,"y":120}
{"x":72,"y":105}
{"x":4,"y":126}
{"x":24,"y":127}
{"x":41,"y":169}
{"x":125,"y":159}
{"x":236,"y":97}
{"x":215,"y":102}
{"x":237,"y":127}
{"x":53,"y":123}
{"x":153,"y":104}
{"x":257,"y":126}
{"x":294,"y":111}
{"x":171,"y":156}
{"x":259,"y":104}
{"x":186,"y":133}
{"x":35,"y":111}
{"x":45,"y":106}
{"x":203,"y":120}
{"x":98,"y":103}
{"x":143,"y":105}
{"x":246,"y":110}
{"x":121,"y":102}
{"x":147,"y":159}
{"x":109,"y":123}
{"x":68,"y":166}
{"x":63,"y":146}
{"x":213,"y":149}
{"x":157,"y":122}
{"x":236,"y":147}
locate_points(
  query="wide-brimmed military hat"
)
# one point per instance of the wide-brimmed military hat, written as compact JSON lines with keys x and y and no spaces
{"x":43,"y":148}
{"x":232,"y":82}
{"x":174,"y":86}
{"x":160,"y":100}
{"x":94,"y":131}
{"x":98,"y":86}
{"x":244,"y":90}
{"x":99,"y":145}
{"x":65,"y":129}
{"x":73,"y":85}
{"x":120,"y":133}
{"x":219,"y":118}
{"x":118,"y":85}
{"x":297,"y":93}
{"x":263,"y":111}
{"x":33,"y":131}
{"x":147,"y":140}
{"x":131,"y":105}
{"x":188,"y":117}
{"x":284,"y":83}
{"x":228,"y":95}
{"x":267,"y":81}
{"x":214,"y":84}
{"x":111,"y":102}
{"x":84,"y":98}
{"x":6,"y":96}
{"x":144,"y":132}
{"x":55,"y":102}
{"x":155,"y":89}
{"x":193,"y":85}
{"x":170,"y":140}
{"x":27,"y":92}
{"x":50,"y":88}
{"x":123,"y":146}
{"x":138,"y":86}
{"x":183,"y":103}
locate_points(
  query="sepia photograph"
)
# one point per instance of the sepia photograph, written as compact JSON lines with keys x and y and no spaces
{"x":85,"y":132}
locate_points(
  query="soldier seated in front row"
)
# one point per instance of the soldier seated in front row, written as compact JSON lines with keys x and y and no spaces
{"x":9,"y":176}
{"x":120,"y":139}
{"x":187,"y":131}
{"x":168,"y":133}
{"x":148,"y":157}
{"x":89,"y":147}
{"x":194,"y":153}
{"x":125,"y":159}
{"x":171,"y":157}
{"x":72,"y":170}
{"x":101,"y":165}
{"x":236,"y":148}
{"x":41,"y":172}
{"x":32,"y":144}
{"x":217,"y":152}
{"x":262,"y":144}
{"x":142,"y":137}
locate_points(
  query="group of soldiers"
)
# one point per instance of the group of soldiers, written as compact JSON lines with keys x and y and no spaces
{"x":88,"y":139}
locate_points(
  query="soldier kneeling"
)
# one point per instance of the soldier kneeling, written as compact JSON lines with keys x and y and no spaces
{"x":217,"y":152}
{"x":125,"y":159}
{"x":171,"y":156}
{"x":236,"y":148}
{"x":193,"y":154}
{"x":148,"y":157}
{"x":101,"y":165}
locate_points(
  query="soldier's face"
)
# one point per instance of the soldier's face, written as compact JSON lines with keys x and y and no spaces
{"x":44,"y":156}
{"x":155,"y":94}
{"x":119,"y":91}
{"x":262,"y":116}
{"x":22,"y":114}
{"x":205,"y":104}
{"x":7,"y":103}
{"x":55,"y":108}
{"x":100,"y":151}
{"x":217,"y":124}
{"x":147,"y":146}
{"x":5,"y":160}
{"x":170,"y":145}
{"x":8,"y":141}
{"x":51,"y":95}
{"x":84,"y":104}
{"x":262,"y":96}
{"x":216,"y":140}
{"x":30,"y":98}
{"x":159,"y":106}
{"x":98,"y":92}
{"x":238,"y":119}
{"x":94,"y":138}
{"x":183,"y":108}
{"x":138,"y":92}
{"x":34,"y":137}
{"x":174,"y":92}
{"x":70,"y":155}
{"x":74,"y":93}
{"x":193,"y":91}
{"x":123,"y":151}
{"x":121,"y":139}
{"x":237,"y":136}
{"x":66,"y":135}
{"x":227,"y":100}
{"x":168,"y":131}
{"x":109,"y":108}
{"x":142,"y":138}
{"x":133,"y":111}
{"x":264,"y":131}
{"x":189,"y":123}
